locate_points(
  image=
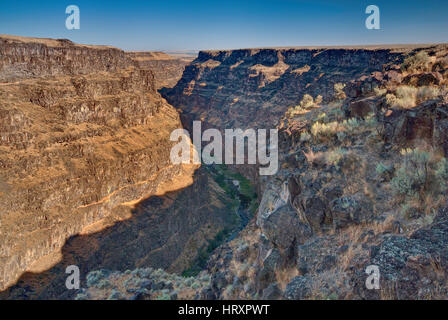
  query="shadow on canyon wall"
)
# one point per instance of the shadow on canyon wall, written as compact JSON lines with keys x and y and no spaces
{"x":164,"y":232}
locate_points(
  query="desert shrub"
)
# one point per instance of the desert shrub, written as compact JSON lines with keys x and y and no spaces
{"x":379,"y":92}
{"x":421,"y":180}
{"x":115,"y":295}
{"x":307,"y":101}
{"x":408,"y":97}
{"x":412,"y":175}
{"x":333,"y":157}
{"x":130,"y":283}
{"x":180,"y":285}
{"x":189,"y":281}
{"x":144,"y":272}
{"x":158,"y":273}
{"x":229,"y":290}
{"x":163,"y":296}
{"x":341,"y":136}
{"x":403,"y":182}
{"x":205,"y":278}
{"x":409,"y":211}
{"x":332,"y":296}
{"x":405,"y":97}
{"x":103,"y":284}
{"x":322,"y":117}
{"x":337,"y":113}
{"x":293,"y":111}
{"x":314,"y":157}
{"x":341,"y":129}
{"x":339,"y":93}
{"x":441,"y":174}
{"x":82,"y":296}
{"x":325,"y":129}
{"x":427,"y":93}
{"x":351,"y":124}
{"x":94,"y":277}
{"x":381,"y":169}
{"x":419,"y":62}
{"x":371,"y":120}
{"x":391,"y":99}
{"x":305,"y":137}
{"x":384,"y":172}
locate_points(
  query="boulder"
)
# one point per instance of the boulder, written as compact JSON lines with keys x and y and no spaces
{"x":393,"y":76}
{"x":312,"y":210}
{"x":361,"y":108}
{"x":423,"y":79}
{"x":207,"y":294}
{"x":272,"y":292}
{"x":293,"y":188}
{"x":427,"y":122}
{"x":364,"y":85}
{"x":349,"y":210}
{"x":284,"y":229}
{"x":266,"y":275}
{"x":299,"y":288}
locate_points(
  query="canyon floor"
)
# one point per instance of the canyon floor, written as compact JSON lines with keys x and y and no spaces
{"x":86,"y":177}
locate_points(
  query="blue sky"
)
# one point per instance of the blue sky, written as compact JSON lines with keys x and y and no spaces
{"x":199,"y":24}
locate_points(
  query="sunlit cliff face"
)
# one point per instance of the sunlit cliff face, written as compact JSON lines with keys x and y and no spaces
{"x":85,"y":136}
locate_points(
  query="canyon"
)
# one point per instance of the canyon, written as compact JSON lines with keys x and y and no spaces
{"x":86,"y":177}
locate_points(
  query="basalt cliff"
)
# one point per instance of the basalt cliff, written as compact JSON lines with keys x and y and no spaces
{"x":248,"y":88}
{"x":84,"y":136}
{"x":166,"y":68}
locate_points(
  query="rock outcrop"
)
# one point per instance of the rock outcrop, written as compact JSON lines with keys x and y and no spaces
{"x":22,"y":58}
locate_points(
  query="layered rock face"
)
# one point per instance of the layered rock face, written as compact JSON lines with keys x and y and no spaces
{"x":165,"y":231}
{"x":167,"y":69}
{"x":84,"y":136}
{"x":254,"y":87}
{"x":22,"y":58}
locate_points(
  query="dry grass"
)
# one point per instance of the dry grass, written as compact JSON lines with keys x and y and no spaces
{"x":407,"y":97}
{"x":347,"y":258}
{"x":385,"y":226}
{"x":285,"y":276}
{"x":389,"y":291}
{"x":331,"y":285}
{"x":420,"y":62}
{"x":314,"y":157}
